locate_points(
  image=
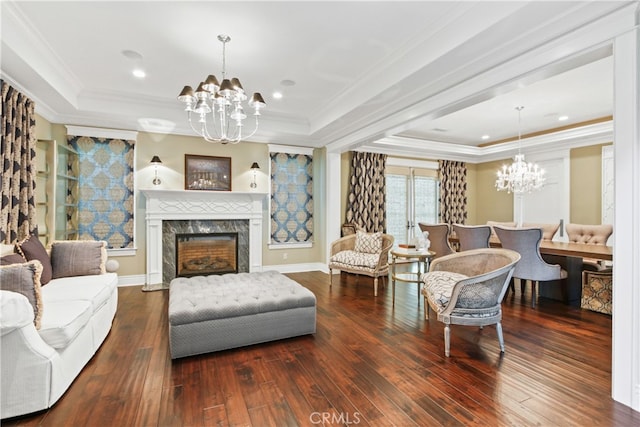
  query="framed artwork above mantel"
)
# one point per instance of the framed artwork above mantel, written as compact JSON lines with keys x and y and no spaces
{"x":207,"y":173}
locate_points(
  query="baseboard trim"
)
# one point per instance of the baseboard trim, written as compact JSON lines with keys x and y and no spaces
{"x":133,"y":280}
{"x":297,"y":268}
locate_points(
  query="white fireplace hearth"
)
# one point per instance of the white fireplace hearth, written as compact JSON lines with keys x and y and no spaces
{"x":176,"y":205}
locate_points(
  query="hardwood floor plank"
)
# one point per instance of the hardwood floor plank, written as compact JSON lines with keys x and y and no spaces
{"x":235,"y":405}
{"x":370,"y":362}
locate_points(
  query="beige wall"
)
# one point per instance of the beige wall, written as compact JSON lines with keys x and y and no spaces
{"x":490,"y":204}
{"x":586,"y":185}
{"x":585,"y":189}
{"x":171,"y":150}
{"x":43,"y":128}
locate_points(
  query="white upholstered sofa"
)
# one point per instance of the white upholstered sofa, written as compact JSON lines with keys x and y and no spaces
{"x":48,"y":338}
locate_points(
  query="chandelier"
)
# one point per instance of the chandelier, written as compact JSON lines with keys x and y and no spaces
{"x":223,"y":101}
{"x":520,"y":177}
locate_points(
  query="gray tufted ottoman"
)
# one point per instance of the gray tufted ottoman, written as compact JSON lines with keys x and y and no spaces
{"x":218,"y":312}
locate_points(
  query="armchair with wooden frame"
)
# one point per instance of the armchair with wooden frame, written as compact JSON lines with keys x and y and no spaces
{"x":467,"y":288}
{"x":362,"y":253}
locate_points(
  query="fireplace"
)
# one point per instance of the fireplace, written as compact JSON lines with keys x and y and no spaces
{"x":199,"y":254}
{"x":170,"y":212}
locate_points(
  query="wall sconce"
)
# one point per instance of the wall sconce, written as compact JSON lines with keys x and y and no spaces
{"x":155,"y":161}
{"x":254,"y":168}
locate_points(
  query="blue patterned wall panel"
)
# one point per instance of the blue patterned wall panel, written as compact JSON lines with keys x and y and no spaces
{"x":105,"y":177}
{"x":291,"y":198}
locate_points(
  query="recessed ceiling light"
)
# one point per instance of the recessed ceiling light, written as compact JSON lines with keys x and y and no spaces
{"x":139,"y":73}
{"x":132,"y":54}
{"x":485,"y":137}
{"x":563,"y":118}
{"x":277,"y":95}
{"x":287,"y":82}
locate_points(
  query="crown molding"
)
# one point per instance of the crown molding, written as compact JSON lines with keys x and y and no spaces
{"x":25,"y":41}
{"x":598,"y":133}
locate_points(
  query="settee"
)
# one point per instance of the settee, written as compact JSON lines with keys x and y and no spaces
{"x":50,"y":331}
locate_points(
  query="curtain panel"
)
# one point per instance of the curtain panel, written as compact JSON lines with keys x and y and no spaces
{"x":366,"y":199}
{"x":18,"y":212}
{"x":453,"y":192}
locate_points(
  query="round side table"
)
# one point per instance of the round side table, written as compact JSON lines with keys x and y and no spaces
{"x":421,"y":257}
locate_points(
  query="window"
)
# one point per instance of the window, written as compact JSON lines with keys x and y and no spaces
{"x":291,"y":196}
{"x":105,"y":186}
{"x":412,"y":197}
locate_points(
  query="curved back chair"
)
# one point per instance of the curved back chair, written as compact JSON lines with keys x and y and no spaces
{"x":362,"y":253}
{"x":439,"y":238}
{"x":501,"y":224}
{"x":548,"y":230}
{"x":472,"y":236}
{"x":526,"y":241}
{"x":467,"y":288}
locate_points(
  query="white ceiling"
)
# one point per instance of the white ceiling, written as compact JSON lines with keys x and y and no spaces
{"x":362,"y":70}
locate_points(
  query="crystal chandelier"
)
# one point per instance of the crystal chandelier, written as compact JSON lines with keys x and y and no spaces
{"x":224,"y":102}
{"x":520,"y":177}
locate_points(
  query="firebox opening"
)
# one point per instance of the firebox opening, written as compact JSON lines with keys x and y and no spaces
{"x":199,"y":254}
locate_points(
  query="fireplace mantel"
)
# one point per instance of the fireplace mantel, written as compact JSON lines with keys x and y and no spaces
{"x":162,"y":205}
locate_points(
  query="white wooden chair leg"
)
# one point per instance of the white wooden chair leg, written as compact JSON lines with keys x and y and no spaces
{"x":447,"y":340}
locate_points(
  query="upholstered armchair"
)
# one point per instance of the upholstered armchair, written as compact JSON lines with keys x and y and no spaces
{"x":467,"y":288}
{"x":362,"y":253}
{"x":472,"y":236}
{"x":501,"y":224}
{"x":526,"y":241}
{"x":439,"y":238}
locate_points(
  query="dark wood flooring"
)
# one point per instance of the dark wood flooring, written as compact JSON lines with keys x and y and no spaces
{"x":369,"y":364}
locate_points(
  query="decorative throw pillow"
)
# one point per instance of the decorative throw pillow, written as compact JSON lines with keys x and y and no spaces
{"x":7,"y":249}
{"x":31,"y":249}
{"x":12,"y":259}
{"x":78,"y":258}
{"x":24,"y":279}
{"x":370,"y":243}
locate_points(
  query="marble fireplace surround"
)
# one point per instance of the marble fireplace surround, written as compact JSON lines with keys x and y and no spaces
{"x":165,"y":205}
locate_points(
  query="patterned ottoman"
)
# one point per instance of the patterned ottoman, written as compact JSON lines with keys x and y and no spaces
{"x":218,"y":312}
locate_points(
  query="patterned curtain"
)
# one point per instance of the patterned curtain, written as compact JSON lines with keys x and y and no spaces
{"x":18,"y":214}
{"x":105,"y":195}
{"x":366,"y":200}
{"x":453,"y":192}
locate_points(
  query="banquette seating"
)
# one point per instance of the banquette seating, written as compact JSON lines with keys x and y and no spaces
{"x":593,"y":235}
